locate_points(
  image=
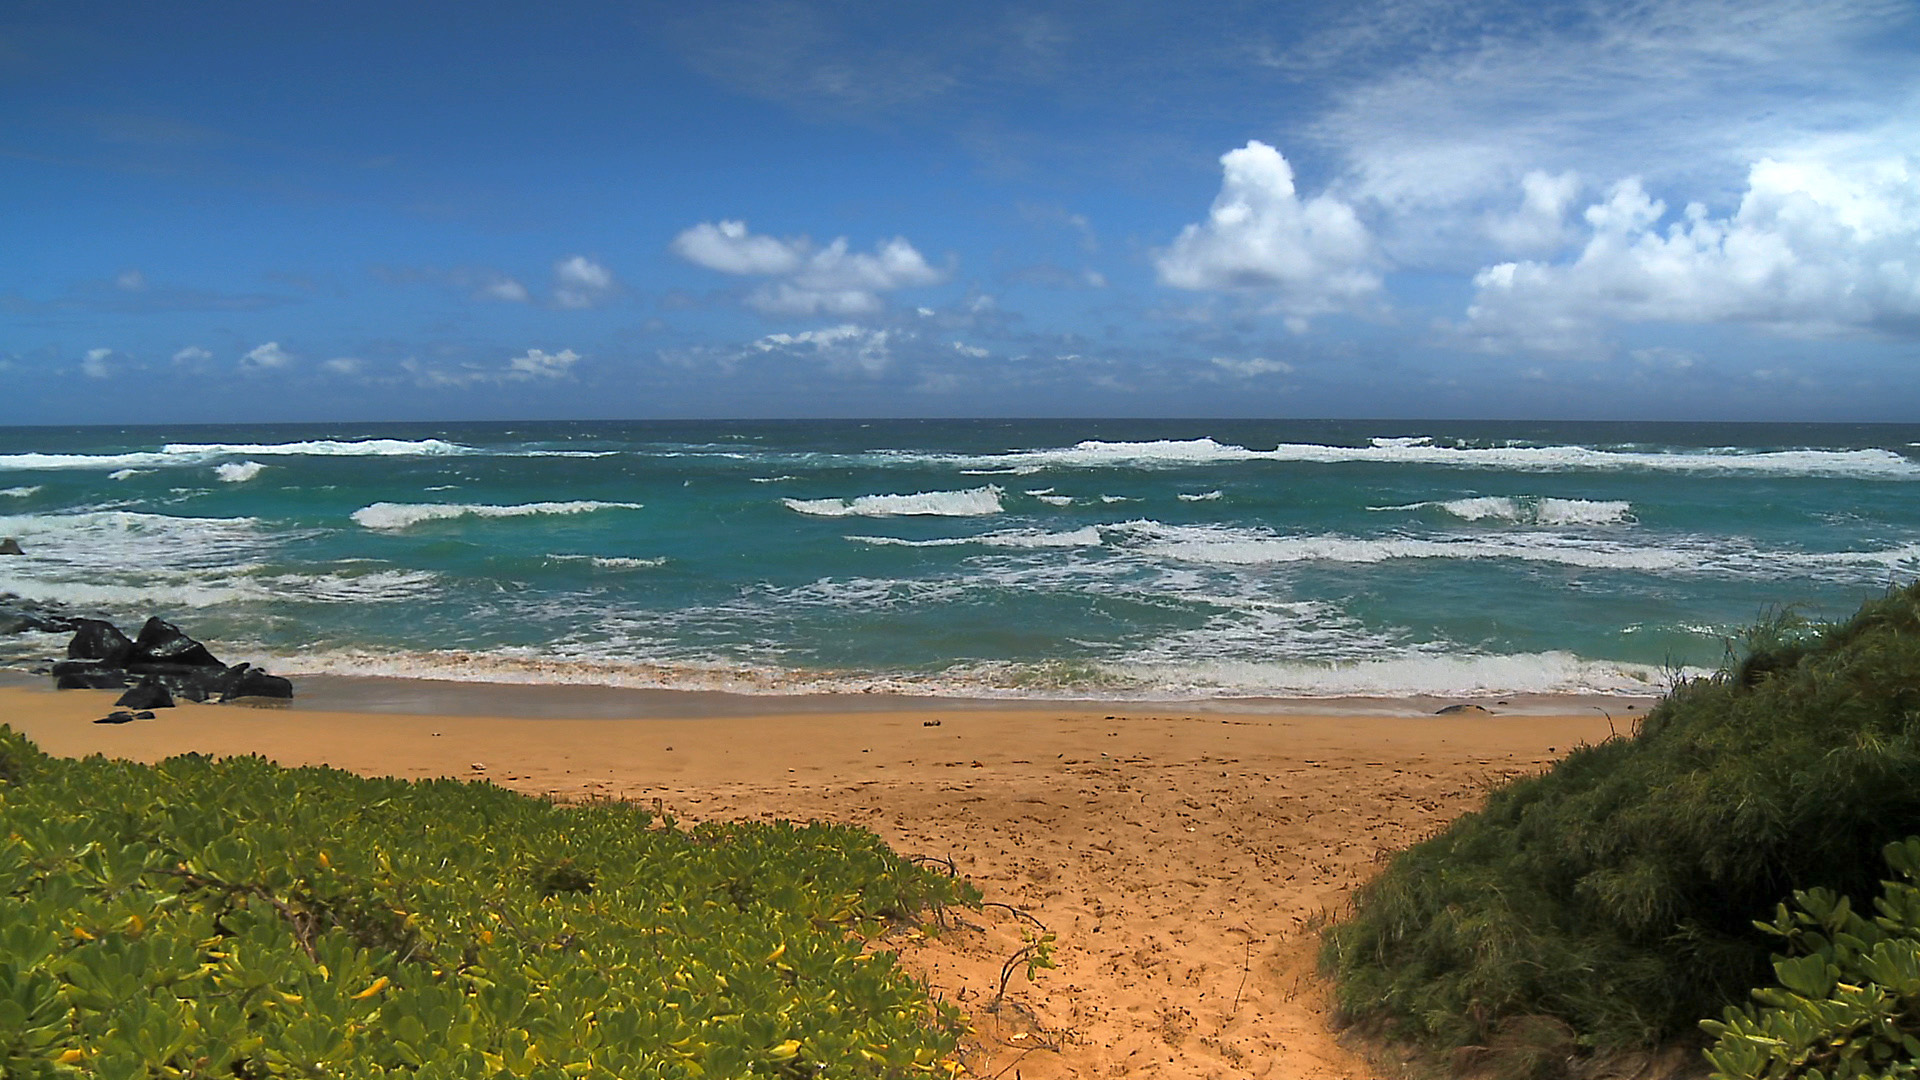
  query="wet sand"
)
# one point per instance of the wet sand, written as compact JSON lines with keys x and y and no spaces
{"x":1183,"y":854}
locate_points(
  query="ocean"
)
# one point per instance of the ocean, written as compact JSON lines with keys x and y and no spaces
{"x":987,"y":558}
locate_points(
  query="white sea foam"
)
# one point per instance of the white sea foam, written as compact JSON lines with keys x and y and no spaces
{"x":1056,"y":500}
{"x":386,"y":515}
{"x":127,"y":474}
{"x":1110,"y":499}
{"x":1204,"y":496}
{"x":1419,"y":450}
{"x":1222,"y":545}
{"x":1529,"y":511}
{"x":19,"y":492}
{"x":1013,"y":538}
{"x":972,"y":502}
{"x":613,"y":562}
{"x":1436,"y":675}
{"x":325,"y":448}
{"x":238,"y":472}
{"x":770,"y":479}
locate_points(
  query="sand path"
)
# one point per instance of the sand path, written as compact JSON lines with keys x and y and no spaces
{"x":1183,"y":860}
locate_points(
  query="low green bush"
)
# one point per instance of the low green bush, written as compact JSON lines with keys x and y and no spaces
{"x":203,"y":918}
{"x":1847,"y":1000}
{"x":1614,"y":896}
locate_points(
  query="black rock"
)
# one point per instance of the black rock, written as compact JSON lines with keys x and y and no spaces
{"x":151,"y":693}
{"x":143,"y":715}
{"x":161,"y":642}
{"x":186,"y":680}
{"x":252,"y":682}
{"x":97,"y":639}
{"x":95,"y":679}
{"x":118,"y":716}
{"x":10,"y":546}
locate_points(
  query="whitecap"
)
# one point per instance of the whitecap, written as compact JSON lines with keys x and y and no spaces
{"x":1013,"y":538}
{"x":1872,"y":463}
{"x":19,"y":492}
{"x":326,"y":448}
{"x":386,"y":515}
{"x":972,"y":502}
{"x":1204,"y":496}
{"x":1056,"y":500}
{"x":1527,"y":510}
{"x":613,"y":562}
{"x":238,"y":472}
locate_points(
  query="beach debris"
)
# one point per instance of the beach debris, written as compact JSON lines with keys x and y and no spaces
{"x":100,"y":657}
{"x":10,"y":546}
{"x":1456,"y":710}
{"x":149,"y":694}
{"x":929,"y":723}
{"x":477,"y":767}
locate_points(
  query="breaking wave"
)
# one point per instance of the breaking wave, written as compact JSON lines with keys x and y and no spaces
{"x":973,"y":502}
{"x":386,"y":515}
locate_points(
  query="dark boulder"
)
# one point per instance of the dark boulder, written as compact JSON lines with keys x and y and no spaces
{"x":98,"y":678}
{"x":185,"y":680}
{"x":10,"y":546}
{"x":97,"y":639}
{"x":151,"y":693}
{"x":161,"y":642}
{"x":246,"y":682}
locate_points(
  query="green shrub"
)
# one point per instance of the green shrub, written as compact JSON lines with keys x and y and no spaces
{"x":1847,"y":1003}
{"x":204,"y":918}
{"x":1616,"y":893}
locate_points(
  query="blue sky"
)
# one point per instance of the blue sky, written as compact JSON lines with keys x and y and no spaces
{"x":346,"y":211}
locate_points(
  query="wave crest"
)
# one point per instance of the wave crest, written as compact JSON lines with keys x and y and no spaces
{"x":386,"y":515}
{"x":973,"y":502}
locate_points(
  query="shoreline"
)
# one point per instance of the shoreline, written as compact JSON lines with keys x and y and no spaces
{"x":1185,"y":857}
{"x":416,"y":696}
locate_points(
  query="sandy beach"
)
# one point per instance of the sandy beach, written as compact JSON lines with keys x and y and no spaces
{"x":1182,"y":855}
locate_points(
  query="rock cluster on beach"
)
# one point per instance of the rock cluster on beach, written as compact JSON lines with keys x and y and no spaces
{"x":155,"y":666}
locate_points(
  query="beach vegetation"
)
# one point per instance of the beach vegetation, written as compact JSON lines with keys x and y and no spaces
{"x":1616,"y":897}
{"x":230,"y":918}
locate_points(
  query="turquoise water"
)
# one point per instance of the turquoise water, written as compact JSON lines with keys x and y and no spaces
{"x":1018,"y":558}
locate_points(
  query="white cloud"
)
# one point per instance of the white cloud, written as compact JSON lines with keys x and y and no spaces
{"x":1306,"y":257}
{"x":974,"y":351}
{"x":266,"y":357}
{"x":344,"y":365}
{"x":810,"y":281}
{"x":505,"y":289}
{"x":131,"y":281}
{"x":535,"y":364}
{"x":1813,"y":248}
{"x":1253,"y":366}
{"x":94,"y":363}
{"x":1539,"y":226}
{"x":845,"y":347}
{"x":579,"y":282}
{"x":192,"y":354}
{"x":730,"y":249}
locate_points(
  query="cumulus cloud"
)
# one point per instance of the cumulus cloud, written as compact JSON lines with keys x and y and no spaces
{"x":266,"y":357}
{"x":531,"y":366}
{"x":579,"y":282}
{"x":831,"y":280}
{"x":1305,"y":257}
{"x":1540,"y":225}
{"x":535,"y":364}
{"x":192,"y":354}
{"x":844,"y":348}
{"x":1813,"y":248}
{"x":94,"y":363}
{"x":344,"y":365}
